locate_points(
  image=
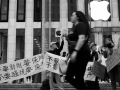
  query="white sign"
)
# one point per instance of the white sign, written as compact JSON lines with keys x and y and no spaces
{"x":113,"y":60}
{"x":30,"y":66}
{"x":89,"y":72}
{"x":99,"y":10}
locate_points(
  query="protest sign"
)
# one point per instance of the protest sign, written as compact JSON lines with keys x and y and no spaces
{"x":21,"y":68}
{"x":51,"y":62}
{"x":30,"y":66}
{"x":89,"y":72}
{"x":113,"y":60}
{"x":99,"y":70}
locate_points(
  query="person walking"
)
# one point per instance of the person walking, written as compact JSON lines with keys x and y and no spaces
{"x":55,"y":78}
{"x":78,"y":49}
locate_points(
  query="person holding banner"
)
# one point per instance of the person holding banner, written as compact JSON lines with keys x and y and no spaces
{"x":78,"y":49}
{"x":94,"y":57}
{"x":109,"y":44}
{"x":53,"y":76}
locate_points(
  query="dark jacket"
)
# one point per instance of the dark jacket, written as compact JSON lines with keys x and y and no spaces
{"x":57,"y":51}
{"x":94,"y":55}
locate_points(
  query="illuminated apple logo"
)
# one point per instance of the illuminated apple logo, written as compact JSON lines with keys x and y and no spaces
{"x":99,"y":10}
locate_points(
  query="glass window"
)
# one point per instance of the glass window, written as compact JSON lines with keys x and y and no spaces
{"x":55,"y":10}
{"x":37,"y":42}
{"x":37,"y":50}
{"x":4,"y":6}
{"x":3,"y":46}
{"x":119,"y":8}
{"x":72,"y":7}
{"x":21,"y":4}
{"x":20,"y":43}
{"x":37,"y":10}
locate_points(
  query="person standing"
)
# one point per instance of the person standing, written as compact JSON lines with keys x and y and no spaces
{"x":55,"y":78}
{"x":78,"y":49}
{"x":94,"y":57}
{"x":109,"y":44}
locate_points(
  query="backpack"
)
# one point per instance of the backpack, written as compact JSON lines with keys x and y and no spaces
{"x":45,"y":85}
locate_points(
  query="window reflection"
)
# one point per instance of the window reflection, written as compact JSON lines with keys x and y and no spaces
{"x":20,"y":43}
{"x":4,"y":5}
{"x":37,"y":41}
{"x":37,"y":10}
{"x":37,"y":50}
{"x":55,"y":10}
{"x":21,"y":10}
{"x":3,"y":46}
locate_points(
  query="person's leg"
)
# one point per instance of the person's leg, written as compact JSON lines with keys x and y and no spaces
{"x":113,"y":79}
{"x":51,"y":81}
{"x":82,"y":61}
{"x":96,"y":84}
{"x":70,"y":74}
{"x":58,"y":81}
{"x":80,"y":84}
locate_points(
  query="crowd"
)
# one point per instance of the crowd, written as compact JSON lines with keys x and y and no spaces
{"x":81,"y":51}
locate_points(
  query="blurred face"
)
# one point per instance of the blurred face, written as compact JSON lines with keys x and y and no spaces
{"x":94,"y":48}
{"x":74,"y":18}
{"x":54,"y":46}
{"x":107,"y":41}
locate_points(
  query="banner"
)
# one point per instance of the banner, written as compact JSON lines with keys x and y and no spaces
{"x":89,"y":72}
{"x":99,"y":70}
{"x":51,"y":62}
{"x":30,"y":66}
{"x":113,"y":60}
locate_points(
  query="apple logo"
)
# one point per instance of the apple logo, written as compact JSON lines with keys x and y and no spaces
{"x":99,"y":10}
{"x":58,"y":33}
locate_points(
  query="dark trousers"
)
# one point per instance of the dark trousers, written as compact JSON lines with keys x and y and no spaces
{"x":76,"y":70}
{"x":93,"y":85}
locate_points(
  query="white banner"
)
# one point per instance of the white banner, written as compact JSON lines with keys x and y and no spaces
{"x":89,"y":72}
{"x":30,"y":66}
{"x":51,"y":62}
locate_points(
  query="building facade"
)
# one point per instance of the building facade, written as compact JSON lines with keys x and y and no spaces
{"x":28,"y":26}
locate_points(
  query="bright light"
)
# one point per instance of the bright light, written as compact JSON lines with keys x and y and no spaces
{"x":38,"y":44}
{"x":35,"y":39}
{"x":99,"y":10}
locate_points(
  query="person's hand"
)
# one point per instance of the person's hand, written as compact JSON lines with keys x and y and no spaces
{"x":64,"y":33}
{"x":73,"y":56}
{"x":62,"y":38}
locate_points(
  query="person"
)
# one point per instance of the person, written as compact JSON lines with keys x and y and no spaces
{"x":109,"y":44}
{"x":94,"y":57}
{"x":55,"y":77}
{"x":79,"y":50}
{"x":118,"y":66}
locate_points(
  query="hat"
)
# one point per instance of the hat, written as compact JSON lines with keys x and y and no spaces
{"x":52,"y":43}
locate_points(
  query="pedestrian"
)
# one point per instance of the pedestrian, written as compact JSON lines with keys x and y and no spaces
{"x":93,"y":85}
{"x":109,"y":44}
{"x":55,"y":78}
{"x":79,"y":50}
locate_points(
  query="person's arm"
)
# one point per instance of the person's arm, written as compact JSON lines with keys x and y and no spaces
{"x":61,"y":47}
